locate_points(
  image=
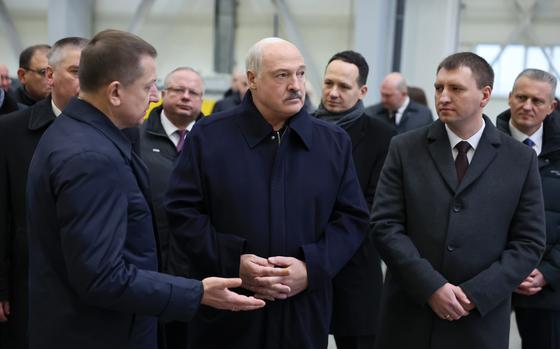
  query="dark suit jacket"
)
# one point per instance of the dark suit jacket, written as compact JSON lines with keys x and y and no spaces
{"x":9,"y":104}
{"x":236,"y":190}
{"x":415,"y":115}
{"x":92,"y":267}
{"x":357,"y":287}
{"x":19,"y":134}
{"x":484,"y":234}
{"x":549,"y":168}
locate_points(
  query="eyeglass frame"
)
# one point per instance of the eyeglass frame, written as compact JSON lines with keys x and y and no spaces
{"x":181,"y":91}
{"x":41,"y":72}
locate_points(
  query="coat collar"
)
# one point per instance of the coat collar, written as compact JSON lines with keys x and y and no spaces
{"x":255,"y":128}
{"x":41,"y":115}
{"x":83,"y":111}
{"x":551,"y":130}
{"x":153,"y":123}
{"x":440,"y":151}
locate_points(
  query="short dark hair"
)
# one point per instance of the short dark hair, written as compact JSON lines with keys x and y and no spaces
{"x":482,"y":71}
{"x":56,"y":54}
{"x":112,"y":55}
{"x":27,"y":54}
{"x":355,"y":58}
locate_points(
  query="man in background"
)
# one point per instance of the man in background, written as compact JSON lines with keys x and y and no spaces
{"x":32,"y":75}
{"x":396,"y":108}
{"x":19,"y":134}
{"x":533,"y":121}
{"x":234,"y":95}
{"x":162,"y":137}
{"x":357,"y":287}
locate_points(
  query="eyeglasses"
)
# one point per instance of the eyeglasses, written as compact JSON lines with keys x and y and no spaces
{"x":182,"y":90}
{"x":42,"y":72}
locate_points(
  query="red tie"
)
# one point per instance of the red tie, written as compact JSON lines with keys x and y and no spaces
{"x":182,"y":134}
{"x":461,"y":161}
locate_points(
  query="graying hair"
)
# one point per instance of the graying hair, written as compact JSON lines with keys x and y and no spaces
{"x":253,"y":61}
{"x":168,"y":76}
{"x":57,"y":52}
{"x":539,"y":75}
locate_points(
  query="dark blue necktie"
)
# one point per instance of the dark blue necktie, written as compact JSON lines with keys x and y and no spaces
{"x":529,"y":142}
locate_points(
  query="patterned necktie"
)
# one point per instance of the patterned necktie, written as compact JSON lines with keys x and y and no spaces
{"x":461,"y":161}
{"x":529,"y":142}
{"x":182,"y":134}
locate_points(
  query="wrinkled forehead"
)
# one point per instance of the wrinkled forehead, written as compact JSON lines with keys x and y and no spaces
{"x":281,"y":55}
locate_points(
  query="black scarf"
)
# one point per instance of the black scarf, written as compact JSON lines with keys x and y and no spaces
{"x":341,"y":119}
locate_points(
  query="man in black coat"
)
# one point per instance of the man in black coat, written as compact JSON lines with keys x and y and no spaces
{"x":357,"y":287}
{"x":458,"y":218}
{"x":32,"y":74}
{"x":396,"y":107}
{"x":161,"y":139}
{"x":234,"y":95}
{"x":7,"y":103}
{"x":19,"y":134}
{"x":532,"y":119}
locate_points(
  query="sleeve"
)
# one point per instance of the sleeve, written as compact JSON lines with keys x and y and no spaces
{"x":5,"y":229}
{"x":92,"y":212}
{"x":345,"y":230}
{"x":522,"y":252}
{"x":407,"y":266}
{"x":209,"y":251}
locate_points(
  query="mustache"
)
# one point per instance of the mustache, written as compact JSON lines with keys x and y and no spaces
{"x":294,"y":95}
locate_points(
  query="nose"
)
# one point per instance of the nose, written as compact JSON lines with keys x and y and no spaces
{"x":334,"y":92}
{"x":528,"y":104}
{"x":295,"y":83}
{"x":154,"y":93}
{"x":443,"y":96}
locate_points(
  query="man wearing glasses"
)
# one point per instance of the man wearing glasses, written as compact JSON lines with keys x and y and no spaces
{"x":161,"y":138}
{"x":32,"y":74}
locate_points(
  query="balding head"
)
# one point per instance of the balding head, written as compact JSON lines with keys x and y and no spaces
{"x":5,"y":80}
{"x":393,"y":91}
{"x":276,"y":76}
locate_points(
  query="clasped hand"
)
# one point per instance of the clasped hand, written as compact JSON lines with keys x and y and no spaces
{"x":449,"y":302}
{"x":273,"y":278}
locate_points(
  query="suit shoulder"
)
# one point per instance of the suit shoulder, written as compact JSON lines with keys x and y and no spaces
{"x":325,"y":126}
{"x":378,"y":125}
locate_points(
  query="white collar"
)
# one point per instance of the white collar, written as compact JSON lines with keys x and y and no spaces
{"x":55,"y":109}
{"x":169,"y":127}
{"x":536,"y":137}
{"x":473,"y":140}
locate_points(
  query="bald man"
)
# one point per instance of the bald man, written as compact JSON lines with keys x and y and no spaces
{"x":270,"y":194}
{"x":396,"y":107}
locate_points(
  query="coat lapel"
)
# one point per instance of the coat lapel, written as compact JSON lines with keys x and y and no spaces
{"x":440,"y":151}
{"x":484,"y":155}
{"x":356,"y":131}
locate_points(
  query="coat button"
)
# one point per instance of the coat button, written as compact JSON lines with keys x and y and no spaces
{"x":450,"y":248}
{"x":457,"y":208}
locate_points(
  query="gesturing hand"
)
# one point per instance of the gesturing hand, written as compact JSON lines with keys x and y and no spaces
{"x":218,"y":295}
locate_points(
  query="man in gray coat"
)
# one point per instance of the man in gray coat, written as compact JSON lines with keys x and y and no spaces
{"x":459,"y":220}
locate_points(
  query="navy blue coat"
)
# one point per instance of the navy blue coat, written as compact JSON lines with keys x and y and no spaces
{"x":92,"y":268}
{"x":236,"y":189}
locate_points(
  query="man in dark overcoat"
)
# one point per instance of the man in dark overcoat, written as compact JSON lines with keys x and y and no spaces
{"x":357,"y":287}
{"x":270,"y":194}
{"x":533,"y":120}
{"x":459,"y":220}
{"x":19,"y":134}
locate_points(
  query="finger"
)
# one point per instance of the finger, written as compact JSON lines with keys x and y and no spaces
{"x":266,"y":281}
{"x":268,"y":293}
{"x":281,"y":261}
{"x":265,"y":297}
{"x":461,"y":296}
{"x":231,"y":282}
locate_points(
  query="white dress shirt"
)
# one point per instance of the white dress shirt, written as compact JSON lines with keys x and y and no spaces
{"x":171,"y":130}
{"x":535,"y":137}
{"x":473,"y":141}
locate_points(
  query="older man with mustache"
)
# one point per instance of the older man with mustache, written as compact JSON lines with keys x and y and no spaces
{"x":267,"y":193}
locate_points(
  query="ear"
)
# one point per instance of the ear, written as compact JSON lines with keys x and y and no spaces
{"x":21,"y":75}
{"x":553,"y":106}
{"x":114,"y":93}
{"x":486,"y":93}
{"x":49,"y":75}
{"x":251,"y":77}
{"x":363,"y":91}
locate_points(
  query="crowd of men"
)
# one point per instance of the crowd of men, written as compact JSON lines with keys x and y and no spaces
{"x":262,"y":225}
